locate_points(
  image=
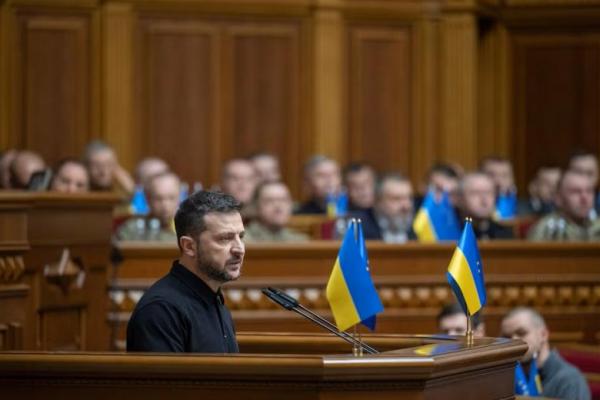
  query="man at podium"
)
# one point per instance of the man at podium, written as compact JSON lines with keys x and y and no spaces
{"x":184,"y":311}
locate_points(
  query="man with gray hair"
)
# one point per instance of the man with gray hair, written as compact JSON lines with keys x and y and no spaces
{"x":321,"y":178}
{"x":391,"y":218}
{"x":560,"y":379}
{"x":106,"y":173}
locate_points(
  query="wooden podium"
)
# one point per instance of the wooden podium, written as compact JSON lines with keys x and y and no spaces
{"x":275,"y":366}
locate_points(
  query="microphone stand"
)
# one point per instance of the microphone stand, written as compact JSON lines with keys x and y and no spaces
{"x":289,"y":303}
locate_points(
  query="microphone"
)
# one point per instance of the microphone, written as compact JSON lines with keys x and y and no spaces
{"x":289,"y":303}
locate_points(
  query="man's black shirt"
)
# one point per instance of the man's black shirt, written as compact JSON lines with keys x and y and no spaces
{"x":180,"y":313}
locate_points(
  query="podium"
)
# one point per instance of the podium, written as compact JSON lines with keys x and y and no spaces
{"x":275,"y":366}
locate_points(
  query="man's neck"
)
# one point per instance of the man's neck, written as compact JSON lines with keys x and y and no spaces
{"x":543,"y":355}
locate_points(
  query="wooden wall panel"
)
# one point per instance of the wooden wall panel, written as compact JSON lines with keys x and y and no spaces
{"x":380,"y":109}
{"x":54,"y":95}
{"x":178,"y":69}
{"x":264,"y":96}
{"x":557,"y":97}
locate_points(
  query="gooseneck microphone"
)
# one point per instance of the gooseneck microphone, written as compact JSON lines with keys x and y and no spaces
{"x":289,"y":303}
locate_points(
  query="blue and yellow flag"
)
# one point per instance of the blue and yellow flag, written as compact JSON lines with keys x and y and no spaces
{"x":531,"y":386}
{"x":465,"y":272}
{"x":350,"y":290}
{"x":436,"y":221}
{"x":506,"y":206}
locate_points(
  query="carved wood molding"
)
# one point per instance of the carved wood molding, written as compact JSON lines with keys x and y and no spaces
{"x":12,"y":269}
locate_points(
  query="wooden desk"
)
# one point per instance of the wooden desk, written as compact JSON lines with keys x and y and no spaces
{"x":485,"y":371}
{"x":61,"y":244}
{"x":561,"y":280}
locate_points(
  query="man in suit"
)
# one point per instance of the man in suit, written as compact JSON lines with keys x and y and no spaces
{"x":477,"y":200}
{"x":322,"y":178}
{"x":391,"y":218}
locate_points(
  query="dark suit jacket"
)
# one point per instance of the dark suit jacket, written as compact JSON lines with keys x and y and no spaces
{"x":371,"y":228}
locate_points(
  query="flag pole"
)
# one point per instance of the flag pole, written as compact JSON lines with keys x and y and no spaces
{"x":469,"y":334}
{"x":357,"y":348}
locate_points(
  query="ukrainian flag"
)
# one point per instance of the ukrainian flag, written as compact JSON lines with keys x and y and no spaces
{"x":350,"y":290}
{"x":465,"y":272}
{"x":436,"y":221}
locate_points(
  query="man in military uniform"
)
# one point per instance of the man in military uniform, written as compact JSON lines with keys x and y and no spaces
{"x":162,"y":191}
{"x":571,"y":221}
{"x":273,"y":211}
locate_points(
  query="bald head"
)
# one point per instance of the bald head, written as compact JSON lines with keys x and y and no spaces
{"x":528,"y":325}
{"x":149,"y":167}
{"x":477,"y":195}
{"x":24,"y":165}
{"x":162,"y":191}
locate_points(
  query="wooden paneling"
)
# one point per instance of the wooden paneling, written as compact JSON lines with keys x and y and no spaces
{"x":178,"y":70}
{"x":455,"y":371}
{"x":410,"y":279}
{"x":557,"y":97}
{"x":264,"y":94}
{"x":55,"y":92}
{"x":380,"y":110}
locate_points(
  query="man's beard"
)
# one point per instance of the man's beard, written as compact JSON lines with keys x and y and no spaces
{"x":212,"y":270}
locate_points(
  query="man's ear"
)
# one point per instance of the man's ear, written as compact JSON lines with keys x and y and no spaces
{"x":188,"y":246}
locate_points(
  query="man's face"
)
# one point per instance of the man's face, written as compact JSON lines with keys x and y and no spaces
{"x":587,"y":165}
{"x":478,"y":197}
{"x":72,"y":178}
{"x":163,"y":198}
{"x":396,"y":199}
{"x":274,"y":206}
{"x":220,"y":247}
{"x":441,"y":183}
{"x":547,"y":183}
{"x":454,"y":324}
{"x":502,"y":175}
{"x":361,"y":188}
{"x":576,"y":196}
{"x":267,"y":169}
{"x":324,"y":179}
{"x":101,"y":166}
{"x":239,"y":181}
{"x":521,"y":326}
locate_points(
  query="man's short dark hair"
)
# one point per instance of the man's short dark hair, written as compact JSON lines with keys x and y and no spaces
{"x":455,"y":308}
{"x":442,"y":169}
{"x":189,"y":219}
{"x":358,"y":166}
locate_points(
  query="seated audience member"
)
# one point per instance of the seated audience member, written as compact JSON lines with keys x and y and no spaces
{"x":22,"y":168}
{"x":105,"y":172}
{"x":476,"y":199}
{"x":71,"y":176}
{"x":452,"y":321}
{"x":542,"y":191}
{"x":5,"y":161}
{"x":574,"y":201}
{"x":273,"y":204}
{"x":359,"y":180}
{"x":149,"y":167}
{"x":560,"y":380}
{"x":239,"y":180}
{"x":266,"y":166}
{"x":586,"y":162}
{"x":500,"y":170}
{"x":322,"y":178}
{"x":441,"y":177}
{"x":162,"y":192}
{"x":391,"y":218}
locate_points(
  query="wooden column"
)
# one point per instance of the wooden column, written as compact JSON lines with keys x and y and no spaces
{"x":329,"y":78}
{"x":117,"y":90}
{"x":458,"y":70}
